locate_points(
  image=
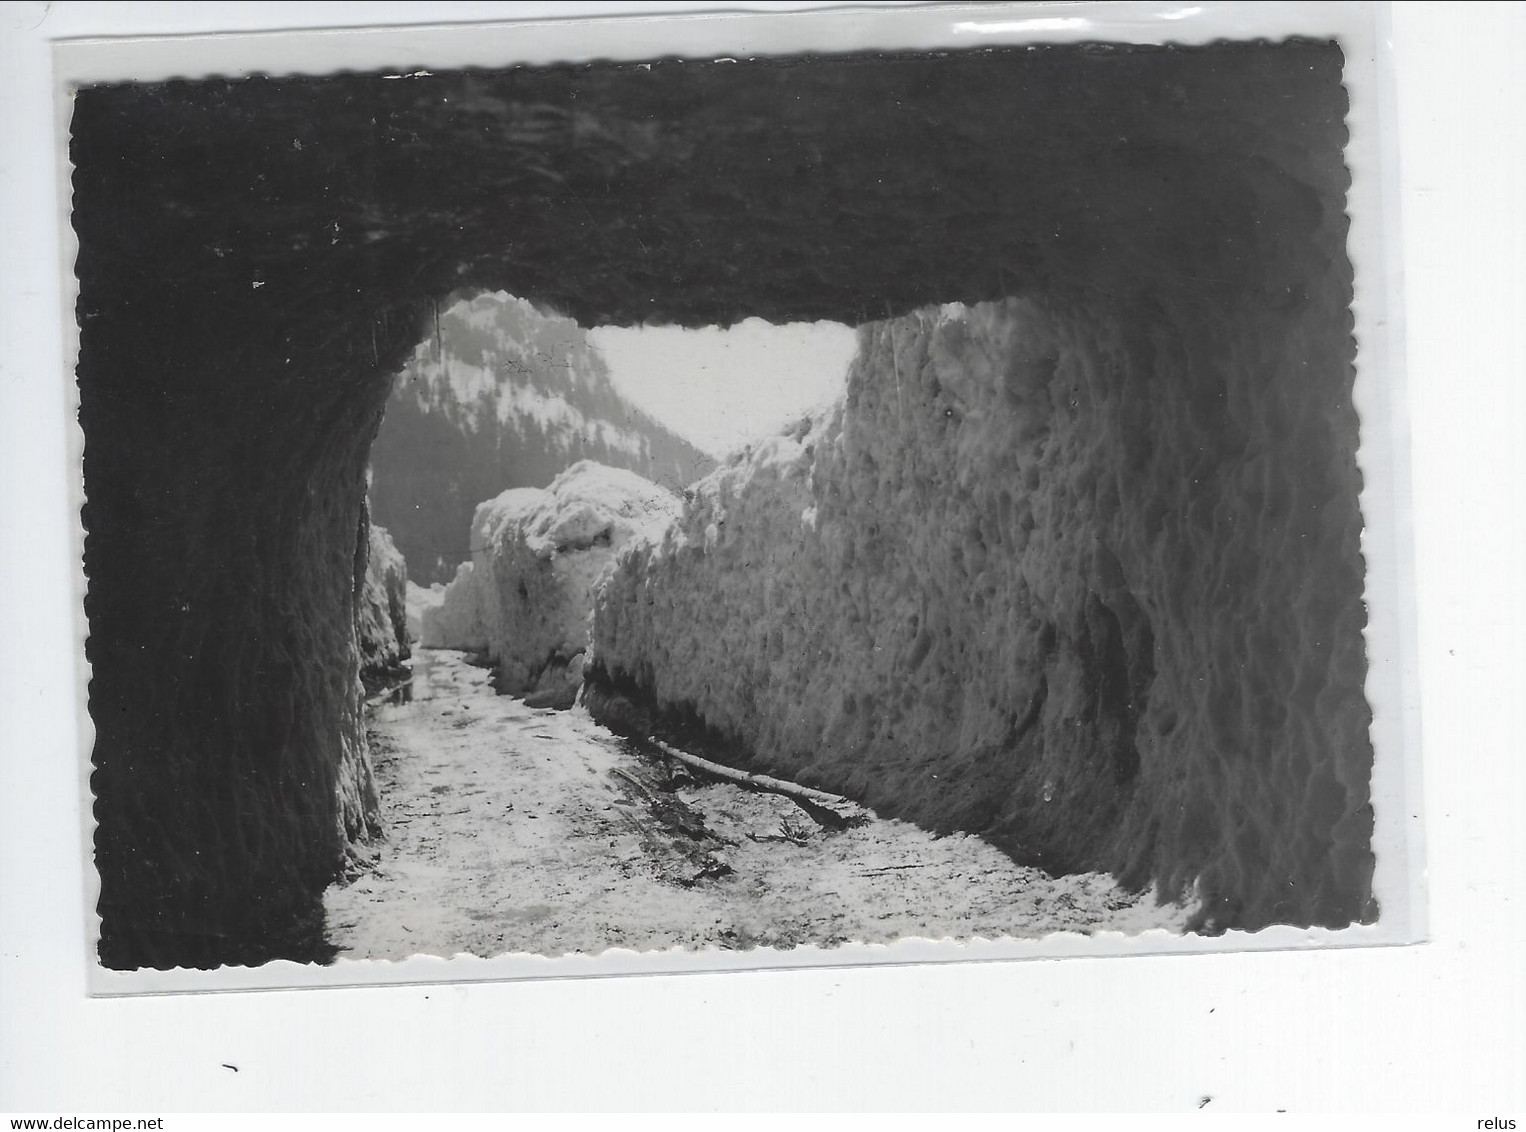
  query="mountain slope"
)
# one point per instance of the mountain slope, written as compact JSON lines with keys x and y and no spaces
{"x":502,"y":395}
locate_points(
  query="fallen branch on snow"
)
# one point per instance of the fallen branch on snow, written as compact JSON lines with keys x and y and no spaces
{"x":832,"y":810}
{"x":891,"y":869}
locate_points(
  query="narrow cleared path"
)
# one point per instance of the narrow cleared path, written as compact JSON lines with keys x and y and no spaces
{"x":516,"y":829}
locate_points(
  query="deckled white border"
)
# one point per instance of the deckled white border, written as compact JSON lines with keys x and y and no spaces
{"x":1379,"y":398}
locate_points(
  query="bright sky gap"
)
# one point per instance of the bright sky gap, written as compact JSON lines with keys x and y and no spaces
{"x":720,"y":389}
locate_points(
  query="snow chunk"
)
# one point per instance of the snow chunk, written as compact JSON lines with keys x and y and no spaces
{"x":548,"y":555}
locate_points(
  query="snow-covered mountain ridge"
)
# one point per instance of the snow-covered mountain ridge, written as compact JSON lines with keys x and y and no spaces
{"x":502,"y":395}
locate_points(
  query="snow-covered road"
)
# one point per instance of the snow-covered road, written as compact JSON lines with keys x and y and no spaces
{"x":516,"y":829}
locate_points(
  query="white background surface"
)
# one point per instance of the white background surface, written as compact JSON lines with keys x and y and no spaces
{"x":1437,"y":1026}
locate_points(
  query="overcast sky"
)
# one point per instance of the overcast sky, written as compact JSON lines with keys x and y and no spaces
{"x":720,"y":389}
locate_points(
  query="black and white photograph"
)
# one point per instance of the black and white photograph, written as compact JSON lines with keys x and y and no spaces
{"x":733,"y":503}
{"x":855,"y":557}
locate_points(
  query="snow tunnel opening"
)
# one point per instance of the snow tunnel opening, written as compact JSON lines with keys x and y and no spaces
{"x":510,"y":423}
{"x":1184,"y":269}
{"x":504,"y":392}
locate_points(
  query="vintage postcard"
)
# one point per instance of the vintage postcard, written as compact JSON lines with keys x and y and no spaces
{"x":863,"y":485}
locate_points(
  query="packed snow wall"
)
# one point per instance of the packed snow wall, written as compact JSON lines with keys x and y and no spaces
{"x":548,"y":560}
{"x":419,"y":600}
{"x":1084,"y":580}
{"x":468,"y":615}
{"x":456,"y":621}
{"x":257,"y":257}
{"x":524,"y":600}
{"x":381,"y":617}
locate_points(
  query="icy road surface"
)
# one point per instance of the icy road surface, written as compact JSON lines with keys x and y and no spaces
{"x":516,"y":829}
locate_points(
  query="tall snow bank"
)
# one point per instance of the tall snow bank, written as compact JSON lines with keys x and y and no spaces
{"x":545,"y":564}
{"x":381,"y":612}
{"x":455,"y":622}
{"x":469,"y":608}
{"x":1084,"y":580}
{"x":421,"y":598}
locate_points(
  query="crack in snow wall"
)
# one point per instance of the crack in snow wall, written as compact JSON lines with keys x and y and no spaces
{"x":1084,"y":580}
